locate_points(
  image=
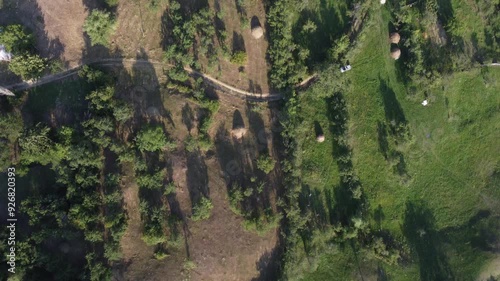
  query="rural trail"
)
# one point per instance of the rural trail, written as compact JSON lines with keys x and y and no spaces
{"x":146,"y":63}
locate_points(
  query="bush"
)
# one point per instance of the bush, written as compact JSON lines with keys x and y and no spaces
{"x":239,"y":58}
{"x":27,"y":66}
{"x":202,"y":210}
{"x":99,"y":26}
{"x":112,"y":3}
{"x":170,"y":188}
{"x":15,"y":39}
{"x":151,"y":181}
{"x":123,"y":111}
{"x":265,"y":163}
{"x":151,"y":139}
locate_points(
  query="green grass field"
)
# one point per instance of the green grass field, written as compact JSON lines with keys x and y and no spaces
{"x":446,"y":168}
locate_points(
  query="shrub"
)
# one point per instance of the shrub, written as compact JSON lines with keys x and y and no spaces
{"x":202,"y":210}
{"x":160,"y":254}
{"x":151,"y":139}
{"x":151,"y":181}
{"x":265,"y":163}
{"x":15,"y":39}
{"x":112,"y":3}
{"x":27,"y":66}
{"x":123,"y":111}
{"x":170,"y":188}
{"x":99,"y":25}
{"x":239,"y":58}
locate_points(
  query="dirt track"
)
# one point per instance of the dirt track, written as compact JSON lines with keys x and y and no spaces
{"x":121,"y":62}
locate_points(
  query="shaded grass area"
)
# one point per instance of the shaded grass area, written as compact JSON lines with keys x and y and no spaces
{"x":67,"y":97}
{"x":424,"y":170}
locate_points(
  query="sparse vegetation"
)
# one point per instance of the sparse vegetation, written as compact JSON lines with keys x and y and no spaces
{"x":202,"y":210}
{"x":239,"y":58}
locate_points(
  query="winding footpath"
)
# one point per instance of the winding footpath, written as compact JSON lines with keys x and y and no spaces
{"x":114,"y":62}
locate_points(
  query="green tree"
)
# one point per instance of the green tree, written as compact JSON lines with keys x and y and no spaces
{"x":152,"y":138}
{"x":102,"y":98}
{"x":28,"y":66}
{"x":202,"y":210}
{"x":99,"y":25}
{"x":239,"y":58}
{"x":15,"y":39}
{"x":123,"y":111}
{"x":265,"y":163}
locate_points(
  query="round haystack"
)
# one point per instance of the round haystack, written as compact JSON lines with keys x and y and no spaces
{"x":238,"y":133}
{"x":382,"y":2}
{"x":320,"y":138}
{"x":394,"y":37}
{"x":395,"y":53}
{"x":257,"y":32}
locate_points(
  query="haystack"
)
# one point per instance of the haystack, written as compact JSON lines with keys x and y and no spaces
{"x":239,"y":132}
{"x":257,"y":32}
{"x":394,"y":38}
{"x":320,"y":138}
{"x":395,"y":53}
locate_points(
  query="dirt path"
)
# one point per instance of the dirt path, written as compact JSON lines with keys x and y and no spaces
{"x":122,"y":62}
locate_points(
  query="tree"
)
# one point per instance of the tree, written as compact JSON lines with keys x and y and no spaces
{"x":28,"y":66}
{"x":99,"y":25}
{"x":123,"y":111}
{"x":239,"y":58}
{"x":265,"y":163}
{"x":15,"y":39}
{"x":202,"y":210}
{"x":102,"y":98}
{"x":151,"y":139}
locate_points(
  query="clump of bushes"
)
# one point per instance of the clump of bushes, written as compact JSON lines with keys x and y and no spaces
{"x":265,"y":163}
{"x":151,"y":138}
{"x":239,"y":58}
{"x":99,"y":25}
{"x":202,"y":210}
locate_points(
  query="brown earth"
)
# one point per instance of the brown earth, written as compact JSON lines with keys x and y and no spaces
{"x":219,"y":246}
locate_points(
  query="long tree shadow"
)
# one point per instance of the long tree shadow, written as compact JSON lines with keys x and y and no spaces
{"x":394,"y":113}
{"x":425,"y":241}
{"x":197,"y":177}
{"x":258,"y":130}
{"x":348,"y":197}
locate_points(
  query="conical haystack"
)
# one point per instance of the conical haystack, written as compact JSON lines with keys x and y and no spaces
{"x":394,"y":38}
{"x":257,"y":32}
{"x":238,"y":133}
{"x":395,"y":53}
{"x":320,"y":138}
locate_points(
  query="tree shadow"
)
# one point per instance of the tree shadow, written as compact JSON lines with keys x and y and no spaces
{"x":258,"y":130}
{"x":197,"y":177}
{"x":318,"y":131}
{"x":268,"y":265}
{"x":187,"y":117}
{"x":238,"y":42}
{"x":378,"y":215}
{"x":254,"y":87}
{"x":383,"y":144}
{"x":425,"y":241}
{"x":394,"y":113}
{"x":348,"y":196}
